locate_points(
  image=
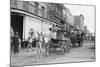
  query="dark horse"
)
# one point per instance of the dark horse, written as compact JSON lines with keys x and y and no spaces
{"x":78,"y":38}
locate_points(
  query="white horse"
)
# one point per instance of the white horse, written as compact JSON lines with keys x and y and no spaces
{"x":39,"y":44}
{"x":42,"y":45}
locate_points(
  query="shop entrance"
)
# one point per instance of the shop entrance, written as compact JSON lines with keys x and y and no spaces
{"x":17,"y":24}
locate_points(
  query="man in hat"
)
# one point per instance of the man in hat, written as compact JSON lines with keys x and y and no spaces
{"x":16,"y":42}
{"x":83,"y":35}
{"x":78,"y":38}
{"x":73,"y":39}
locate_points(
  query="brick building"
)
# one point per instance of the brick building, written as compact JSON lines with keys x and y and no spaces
{"x":79,"y":22}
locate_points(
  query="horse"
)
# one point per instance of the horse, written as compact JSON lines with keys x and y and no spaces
{"x":39,"y":45}
{"x":42,"y":44}
{"x":73,"y":40}
{"x":77,"y":39}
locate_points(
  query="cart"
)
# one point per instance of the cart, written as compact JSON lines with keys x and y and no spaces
{"x":55,"y":44}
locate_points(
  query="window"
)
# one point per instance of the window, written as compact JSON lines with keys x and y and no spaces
{"x":36,"y":7}
{"x":43,"y":11}
{"x":25,"y":5}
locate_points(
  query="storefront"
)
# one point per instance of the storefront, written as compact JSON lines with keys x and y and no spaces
{"x":31,"y":23}
{"x":39,"y":25}
{"x":22,"y":22}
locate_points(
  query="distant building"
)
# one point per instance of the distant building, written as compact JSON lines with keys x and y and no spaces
{"x":79,"y":22}
{"x":69,"y":20}
{"x":69,"y":17}
{"x":85,"y":28}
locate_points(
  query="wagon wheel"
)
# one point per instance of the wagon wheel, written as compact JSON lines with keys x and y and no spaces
{"x":67,"y":47}
{"x":62,"y":46}
{"x":50,"y":48}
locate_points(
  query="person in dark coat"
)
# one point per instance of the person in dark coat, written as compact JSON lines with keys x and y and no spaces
{"x":16,"y":42}
{"x":73,"y":40}
{"x":78,"y":39}
{"x":82,"y":38}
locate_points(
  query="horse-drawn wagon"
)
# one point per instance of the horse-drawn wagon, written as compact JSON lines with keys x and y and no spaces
{"x":55,"y":44}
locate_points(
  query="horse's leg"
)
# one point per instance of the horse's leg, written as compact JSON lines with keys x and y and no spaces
{"x":47,"y":49}
{"x":31,"y":45}
{"x":41,"y":50}
{"x":37,"y":49}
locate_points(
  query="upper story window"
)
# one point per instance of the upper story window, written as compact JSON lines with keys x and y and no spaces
{"x":14,"y":3}
{"x":36,"y":7}
{"x":43,"y":11}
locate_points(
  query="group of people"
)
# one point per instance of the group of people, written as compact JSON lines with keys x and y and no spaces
{"x":35,"y":39}
{"x":77,"y":37}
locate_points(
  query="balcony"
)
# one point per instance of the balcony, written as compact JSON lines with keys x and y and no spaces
{"x":57,"y":14}
{"x":26,"y":6}
{"x":31,"y":8}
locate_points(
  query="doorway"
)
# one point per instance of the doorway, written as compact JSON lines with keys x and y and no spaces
{"x":17,"y":24}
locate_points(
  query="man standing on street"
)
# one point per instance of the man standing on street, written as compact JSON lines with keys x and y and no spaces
{"x":16,"y":42}
{"x":82,"y":38}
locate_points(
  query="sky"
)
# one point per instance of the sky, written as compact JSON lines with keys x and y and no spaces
{"x":88,"y":13}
